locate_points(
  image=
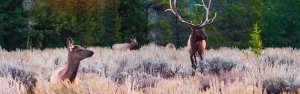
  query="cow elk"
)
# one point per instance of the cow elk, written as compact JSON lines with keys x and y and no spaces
{"x":125,"y":46}
{"x":197,"y":39}
{"x":76,"y":53}
{"x":170,"y":46}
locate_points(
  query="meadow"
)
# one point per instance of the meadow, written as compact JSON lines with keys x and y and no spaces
{"x":153,"y":69}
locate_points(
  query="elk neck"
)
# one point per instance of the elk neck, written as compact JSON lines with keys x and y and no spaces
{"x":198,"y":34}
{"x":71,"y":69}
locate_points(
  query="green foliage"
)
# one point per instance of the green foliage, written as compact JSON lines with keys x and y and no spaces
{"x":134,"y":21}
{"x":112,"y":23}
{"x":89,"y":22}
{"x":281,"y":23}
{"x":12,"y":24}
{"x":167,"y":35}
{"x":105,"y":22}
{"x":58,"y":19}
{"x":230,"y":28}
{"x":255,"y":41}
{"x":235,"y":19}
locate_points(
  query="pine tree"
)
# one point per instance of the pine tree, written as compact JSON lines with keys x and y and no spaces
{"x":134,"y":21}
{"x":255,"y":42}
{"x":12,"y":24}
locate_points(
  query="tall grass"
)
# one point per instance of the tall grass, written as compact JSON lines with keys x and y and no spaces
{"x":154,"y":70}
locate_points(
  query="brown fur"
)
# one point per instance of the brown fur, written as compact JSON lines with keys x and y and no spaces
{"x":197,"y":39}
{"x":75,"y":55}
{"x":196,"y":44}
{"x":125,"y":46}
{"x":170,"y":46}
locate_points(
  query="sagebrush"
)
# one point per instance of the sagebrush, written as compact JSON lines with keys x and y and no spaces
{"x":153,"y":69}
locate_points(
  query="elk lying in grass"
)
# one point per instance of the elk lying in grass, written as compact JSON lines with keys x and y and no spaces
{"x":75,"y":55}
{"x":170,"y":46}
{"x":125,"y":46}
{"x":197,"y":39}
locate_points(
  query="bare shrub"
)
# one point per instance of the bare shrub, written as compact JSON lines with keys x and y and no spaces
{"x":26,"y":78}
{"x":272,"y":60}
{"x":279,"y":85}
{"x":157,"y":69}
{"x":216,"y":65}
{"x":11,"y":86}
{"x":152,"y":69}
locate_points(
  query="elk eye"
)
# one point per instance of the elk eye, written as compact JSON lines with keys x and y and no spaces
{"x":75,"y":48}
{"x":78,"y":50}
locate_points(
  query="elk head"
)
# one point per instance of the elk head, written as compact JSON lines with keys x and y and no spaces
{"x":125,"y":46}
{"x":77,"y":52}
{"x":197,"y":38}
{"x":133,"y":42}
{"x":170,"y":46}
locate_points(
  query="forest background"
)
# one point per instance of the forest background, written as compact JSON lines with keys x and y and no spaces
{"x":43,"y":24}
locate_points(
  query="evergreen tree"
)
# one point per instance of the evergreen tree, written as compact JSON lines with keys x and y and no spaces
{"x":112,"y":23}
{"x":134,"y":21}
{"x":281,"y":23}
{"x":255,"y":42}
{"x":12,"y":24}
{"x":235,"y":20}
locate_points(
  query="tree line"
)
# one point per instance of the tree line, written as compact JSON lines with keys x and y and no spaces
{"x":47,"y":23}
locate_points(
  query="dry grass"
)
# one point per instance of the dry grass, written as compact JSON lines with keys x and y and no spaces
{"x":151,"y":70}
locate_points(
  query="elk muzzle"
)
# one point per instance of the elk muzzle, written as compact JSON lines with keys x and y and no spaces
{"x":90,"y":53}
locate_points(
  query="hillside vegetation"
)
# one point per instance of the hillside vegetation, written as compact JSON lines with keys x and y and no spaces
{"x":44,"y":24}
{"x":155,"y":70}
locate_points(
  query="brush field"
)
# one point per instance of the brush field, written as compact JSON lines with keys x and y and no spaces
{"x":153,"y":69}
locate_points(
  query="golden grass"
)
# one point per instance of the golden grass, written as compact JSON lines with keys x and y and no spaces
{"x":190,"y":85}
{"x":108,"y":62}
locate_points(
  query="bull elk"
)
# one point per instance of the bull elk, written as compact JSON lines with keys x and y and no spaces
{"x":125,"y":46}
{"x":197,"y":39}
{"x":76,"y":53}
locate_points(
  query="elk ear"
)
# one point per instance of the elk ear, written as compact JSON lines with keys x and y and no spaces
{"x":133,"y":39}
{"x":70,"y":43}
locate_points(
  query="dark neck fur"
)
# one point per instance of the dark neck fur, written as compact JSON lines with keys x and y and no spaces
{"x":71,"y":69}
{"x":132,"y":44}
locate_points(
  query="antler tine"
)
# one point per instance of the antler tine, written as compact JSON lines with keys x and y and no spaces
{"x":173,"y":9}
{"x":212,"y":20}
{"x":207,"y":20}
{"x":207,"y":10}
{"x":170,"y":9}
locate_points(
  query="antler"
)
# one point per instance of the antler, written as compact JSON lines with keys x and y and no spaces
{"x":207,"y":20}
{"x":173,"y":9}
